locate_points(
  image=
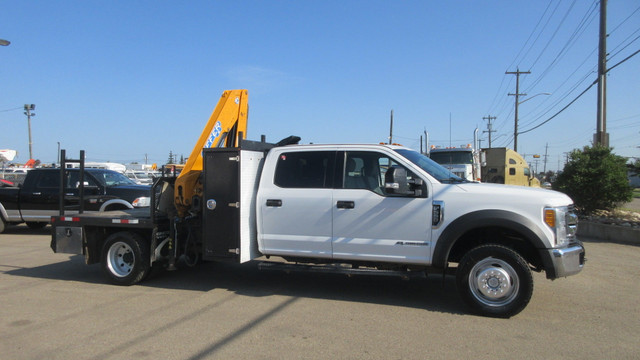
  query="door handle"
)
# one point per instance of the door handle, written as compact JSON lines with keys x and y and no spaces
{"x":274,"y":203}
{"x":346,"y":204}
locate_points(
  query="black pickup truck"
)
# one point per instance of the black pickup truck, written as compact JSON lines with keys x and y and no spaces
{"x":38,"y":197}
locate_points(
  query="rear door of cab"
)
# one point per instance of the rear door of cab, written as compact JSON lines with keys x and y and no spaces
{"x":295,"y":205}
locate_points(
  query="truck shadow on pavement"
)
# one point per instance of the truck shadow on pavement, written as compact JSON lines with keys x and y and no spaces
{"x":73,"y":269}
{"x":431,"y":293}
{"x":24,"y":230}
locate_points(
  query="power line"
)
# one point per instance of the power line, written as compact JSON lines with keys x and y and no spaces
{"x":561,"y":110}
{"x":541,"y":31}
{"x":623,"y":41}
{"x":587,"y":18}
{"x":554,"y":34}
{"x":565,"y":95}
{"x":18,"y":108}
{"x":582,"y":93}
{"x":623,"y":60}
{"x":624,"y":21}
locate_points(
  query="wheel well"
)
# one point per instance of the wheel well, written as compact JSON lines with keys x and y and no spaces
{"x":116,"y":206}
{"x":98,"y":235}
{"x":495,"y":235}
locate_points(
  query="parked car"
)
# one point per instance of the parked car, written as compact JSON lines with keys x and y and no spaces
{"x":141,"y":177}
{"x":38,"y":198}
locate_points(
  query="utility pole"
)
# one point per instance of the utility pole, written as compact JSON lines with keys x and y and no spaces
{"x":601,"y":137}
{"x":27,"y":111}
{"x":391,"y":129}
{"x":489,"y":126}
{"x":517,"y":95}
{"x":559,"y":168}
{"x":546,"y":150}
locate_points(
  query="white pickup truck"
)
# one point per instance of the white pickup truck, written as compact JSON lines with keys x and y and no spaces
{"x":369,"y":208}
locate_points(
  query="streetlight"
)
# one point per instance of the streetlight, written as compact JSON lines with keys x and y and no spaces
{"x":515,"y":127}
{"x":531,"y":97}
{"x":27,"y":111}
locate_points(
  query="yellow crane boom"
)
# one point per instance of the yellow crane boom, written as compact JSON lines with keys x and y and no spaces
{"x":225,"y":128}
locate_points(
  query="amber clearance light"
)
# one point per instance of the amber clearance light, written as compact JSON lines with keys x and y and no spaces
{"x":550,"y":217}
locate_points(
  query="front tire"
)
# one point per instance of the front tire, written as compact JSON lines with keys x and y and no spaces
{"x":494,"y":281}
{"x":125,"y":258}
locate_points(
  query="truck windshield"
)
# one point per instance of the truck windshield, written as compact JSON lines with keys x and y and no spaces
{"x":431,"y":167}
{"x":452,"y":157}
{"x":111,"y":178}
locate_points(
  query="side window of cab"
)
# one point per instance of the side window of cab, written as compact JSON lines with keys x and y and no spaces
{"x":305,"y":169}
{"x":49,"y":179}
{"x":73,"y":180}
{"x":368,"y":170}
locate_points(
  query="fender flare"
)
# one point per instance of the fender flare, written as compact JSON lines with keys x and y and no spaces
{"x":490,"y":218}
{"x":114,"y":202}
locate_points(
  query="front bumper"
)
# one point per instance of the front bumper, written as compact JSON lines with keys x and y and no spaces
{"x":566,"y":261}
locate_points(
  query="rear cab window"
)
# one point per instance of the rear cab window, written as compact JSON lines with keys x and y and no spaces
{"x":305,"y":169}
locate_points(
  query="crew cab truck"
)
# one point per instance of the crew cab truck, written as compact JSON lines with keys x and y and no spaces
{"x":348,"y":208}
{"x":38,"y":197}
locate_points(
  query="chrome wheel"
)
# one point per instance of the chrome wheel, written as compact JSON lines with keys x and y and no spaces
{"x":125,"y":258}
{"x":493,"y":282}
{"x":121,"y":259}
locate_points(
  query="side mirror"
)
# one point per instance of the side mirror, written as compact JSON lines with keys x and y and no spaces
{"x":395,"y":181}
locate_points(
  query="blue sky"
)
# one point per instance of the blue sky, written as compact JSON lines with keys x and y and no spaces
{"x":133,"y":80}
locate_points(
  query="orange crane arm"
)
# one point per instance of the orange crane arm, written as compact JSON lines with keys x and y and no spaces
{"x":226,"y":126}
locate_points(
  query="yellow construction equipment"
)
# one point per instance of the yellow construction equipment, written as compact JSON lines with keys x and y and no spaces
{"x":225,"y":128}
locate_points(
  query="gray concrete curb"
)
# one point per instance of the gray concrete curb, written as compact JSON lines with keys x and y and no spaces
{"x":607,"y":232}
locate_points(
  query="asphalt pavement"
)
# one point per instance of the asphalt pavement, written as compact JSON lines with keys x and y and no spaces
{"x":55,"y":307}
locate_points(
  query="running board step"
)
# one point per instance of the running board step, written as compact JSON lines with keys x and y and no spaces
{"x":337,"y":269}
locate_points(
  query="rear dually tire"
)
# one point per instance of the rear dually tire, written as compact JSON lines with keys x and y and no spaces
{"x":125,"y":258}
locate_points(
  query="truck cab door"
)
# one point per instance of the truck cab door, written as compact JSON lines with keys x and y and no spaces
{"x":93,"y":191}
{"x":371,"y":222}
{"x":295,"y":206}
{"x":39,"y":198}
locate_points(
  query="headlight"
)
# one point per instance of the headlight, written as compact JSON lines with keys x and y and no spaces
{"x":141,"y":202}
{"x":564,"y":223}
